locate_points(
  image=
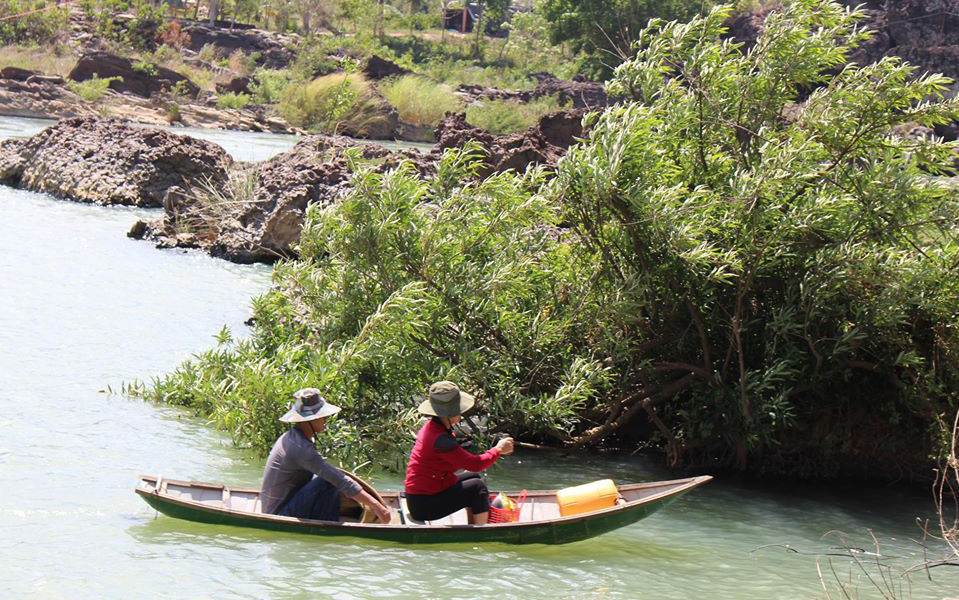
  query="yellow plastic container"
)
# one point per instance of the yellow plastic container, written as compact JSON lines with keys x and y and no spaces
{"x":587,"y":497}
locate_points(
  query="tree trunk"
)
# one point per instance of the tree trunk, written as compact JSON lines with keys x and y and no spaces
{"x":214,"y":11}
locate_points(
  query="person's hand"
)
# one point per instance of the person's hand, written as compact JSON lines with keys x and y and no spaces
{"x":382,"y":513}
{"x":505,"y":446}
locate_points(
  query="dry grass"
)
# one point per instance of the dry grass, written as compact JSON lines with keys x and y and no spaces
{"x":43,"y":59}
{"x":168,"y":57}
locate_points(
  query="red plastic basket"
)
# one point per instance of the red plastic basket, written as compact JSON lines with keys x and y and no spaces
{"x":502,"y":515}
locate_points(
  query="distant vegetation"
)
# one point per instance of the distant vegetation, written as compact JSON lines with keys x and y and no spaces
{"x":154,"y":35}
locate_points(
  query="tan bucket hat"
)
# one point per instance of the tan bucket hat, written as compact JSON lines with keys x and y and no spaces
{"x":308,"y":405}
{"x":446,"y":400}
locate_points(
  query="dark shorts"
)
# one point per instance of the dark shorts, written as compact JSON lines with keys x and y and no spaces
{"x":318,"y":499}
{"x":469,"y":491}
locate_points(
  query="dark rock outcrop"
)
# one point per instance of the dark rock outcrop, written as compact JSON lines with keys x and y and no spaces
{"x":272,"y":48}
{"x":922,"y":32}
{"x":265,"y":227}
{"x":106,"y":161}
{"x":544,"y":143}
{"x":144,"y":83}
{"x":575,"y":94}
{"x":16,"y":73}
{"x":236,"y":85}
{"x":377,"y":68}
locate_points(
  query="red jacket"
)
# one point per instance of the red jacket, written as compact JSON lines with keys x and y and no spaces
{"x":435,"y":458}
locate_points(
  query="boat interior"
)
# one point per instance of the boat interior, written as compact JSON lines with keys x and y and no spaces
{"x":538,"y":506}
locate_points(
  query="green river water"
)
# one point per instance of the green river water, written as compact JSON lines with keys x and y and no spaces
{"x":83,"y":307}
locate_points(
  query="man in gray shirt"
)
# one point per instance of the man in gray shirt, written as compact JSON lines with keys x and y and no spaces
{"x":297,"y":481}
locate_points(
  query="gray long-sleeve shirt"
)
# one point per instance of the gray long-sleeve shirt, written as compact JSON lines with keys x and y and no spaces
{"x":292,"y":463}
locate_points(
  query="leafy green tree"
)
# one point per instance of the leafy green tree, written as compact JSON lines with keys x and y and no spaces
{"x":604,"y":30}
{"x":781,"y":274}
{"x":727,"y":269}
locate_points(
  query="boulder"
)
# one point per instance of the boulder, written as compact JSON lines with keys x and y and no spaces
{"x":544,"y":143}
{"x":106,"y":161}
{"x":377,"y":68}
{"x":271,"y":48}
{"x":266,"y":226}
{"x":573,"y":94}
{"x":381,"y":121}
{"x":16,"y":73}
{"x":236,"y":85}
{"x":135,"y":81}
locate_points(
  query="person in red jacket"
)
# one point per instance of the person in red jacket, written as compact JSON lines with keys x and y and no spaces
{"x":433,"y":490}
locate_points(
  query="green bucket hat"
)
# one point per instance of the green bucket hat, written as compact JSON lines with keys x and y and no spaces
{"x":446,"y":400}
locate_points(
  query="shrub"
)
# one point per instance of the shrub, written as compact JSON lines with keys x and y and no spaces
{"x":418,"y":100}
{"x":173,"y":36}
{"x":92,"y":89}
{"x":241,"y":63}
{"x":369,"y":324}
{"x":717,"y":271}
{"x":233,"y":100}
{"x":147,"y":22}
{"x":787,"y":270}
{"x":268,"y":85}
{"x":509,"y":116}
{"x":146,"y":67}
{"x":208,"y":53}
{"x":33,"y":26}
{"x":342,"y":101}
{"x":173,"y":113}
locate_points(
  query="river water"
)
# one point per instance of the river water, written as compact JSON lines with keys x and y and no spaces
{"x":83,"y":309}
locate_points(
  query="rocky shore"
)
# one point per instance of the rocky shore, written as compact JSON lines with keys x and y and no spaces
{"x":106,"y":161}
{"x":138,"y":98}
{"x":241,"y":212}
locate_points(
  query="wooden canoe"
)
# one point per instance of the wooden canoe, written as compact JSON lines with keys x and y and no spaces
{"x":539,"y":522}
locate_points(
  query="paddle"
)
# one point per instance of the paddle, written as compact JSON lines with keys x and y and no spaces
{"x":368,"y":515}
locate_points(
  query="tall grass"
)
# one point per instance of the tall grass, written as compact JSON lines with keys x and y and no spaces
{"x":333,"y":103}
{"x":508,"y":116}
{"x":50,"y":60}
{"x":418,"y":100}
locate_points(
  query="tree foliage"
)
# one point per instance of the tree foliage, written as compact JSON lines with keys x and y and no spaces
{"x":786,"y":271}
{"x":731,"y":267}
{"x":604,"y":30}
{"x":31,"y":22}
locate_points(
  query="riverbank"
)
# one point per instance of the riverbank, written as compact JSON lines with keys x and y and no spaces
{"x":240,"y":212}
{"x":219,"y":77}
